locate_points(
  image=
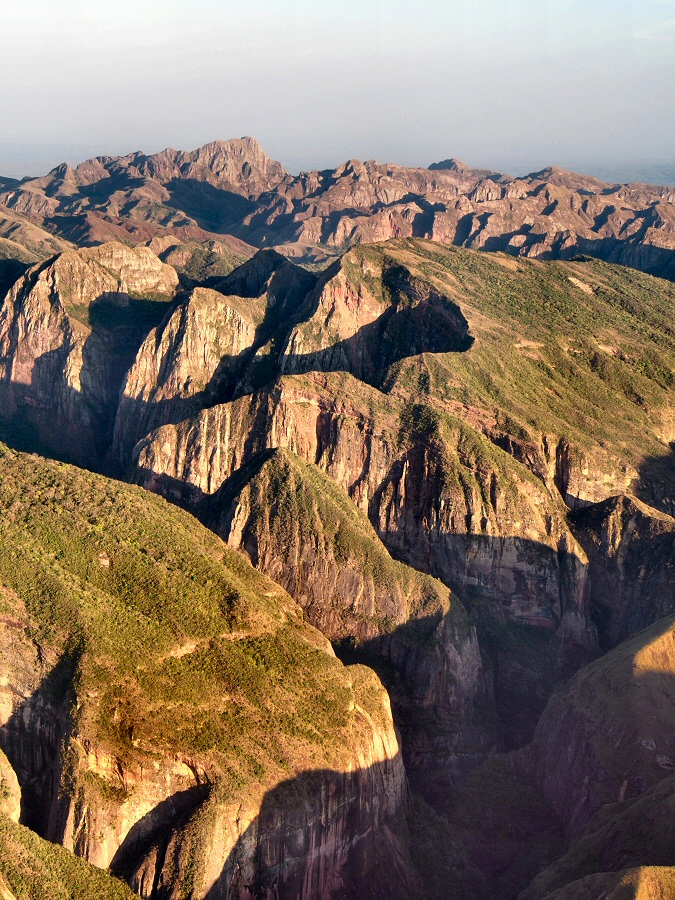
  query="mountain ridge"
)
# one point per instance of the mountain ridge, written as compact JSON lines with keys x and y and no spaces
{"x":233,"y":192}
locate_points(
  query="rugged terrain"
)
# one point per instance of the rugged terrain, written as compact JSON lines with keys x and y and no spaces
{"x":231,"y":192}
{"x":453,"y":468}
{"x":167,"y":712}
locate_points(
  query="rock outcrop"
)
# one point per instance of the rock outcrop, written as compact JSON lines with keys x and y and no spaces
{"x":69,"y":329}
{"x":233,"y":189}
{"x":300,"y":529}
{"x":631,"y":551}
{"x":217,"y":343}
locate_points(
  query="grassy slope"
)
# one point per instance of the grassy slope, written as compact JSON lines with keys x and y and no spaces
{"x":643,"y":883}
{"x":293,"y":504}
{"x":34,"y":869}
{"x":590,"y":359}
{"x":182,"y":646}
{"x":634,"y":833}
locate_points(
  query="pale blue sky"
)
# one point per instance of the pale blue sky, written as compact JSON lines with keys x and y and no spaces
{"x":513,"y":84}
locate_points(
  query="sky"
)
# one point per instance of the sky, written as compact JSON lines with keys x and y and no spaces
{"x":509,"y":84}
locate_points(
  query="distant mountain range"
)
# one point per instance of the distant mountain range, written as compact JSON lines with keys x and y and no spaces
{"x":233,"y":193}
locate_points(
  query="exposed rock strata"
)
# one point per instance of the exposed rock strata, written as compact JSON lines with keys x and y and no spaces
{"x":631,"y":550}
{"x":303,"y":531}
{"x":68,"y":331}
{"x":231,"y":188}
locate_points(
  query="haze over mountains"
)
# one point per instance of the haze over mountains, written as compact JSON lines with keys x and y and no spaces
{"x":337,"y":580}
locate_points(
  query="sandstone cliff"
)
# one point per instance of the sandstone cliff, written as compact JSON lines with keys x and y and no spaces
{"x":299,"y":528}
{"x":631,"y":550}
{"x":68,"y":331}
{"x":214,"y":345}
{"x":232,"y":188}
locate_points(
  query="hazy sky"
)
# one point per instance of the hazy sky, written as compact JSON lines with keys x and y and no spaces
{"x":513,"y":84}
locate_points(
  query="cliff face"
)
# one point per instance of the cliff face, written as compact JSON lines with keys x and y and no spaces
{"x":68,"y":330}
{"x":215,"y":344}
{"x":303,"y":531}
{"x":448,"y":482}
{"x":631,"y":548}
{"x":325,"y":834}
{"x":608,"y":736}
{"x":169,"y":714}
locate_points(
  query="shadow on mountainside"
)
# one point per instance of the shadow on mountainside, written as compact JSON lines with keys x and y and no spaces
{"x":635,"y":253}
{"x":213,"y":209}
{"x":50,"y":416}
{"x":140,"y":857}
{"x":326,"y":833}
{"x":656,"y":481}
{"x":434,"y":325}
{"x":33,"y":739}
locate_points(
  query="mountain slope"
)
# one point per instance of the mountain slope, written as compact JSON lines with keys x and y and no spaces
{"x":161,"y":699}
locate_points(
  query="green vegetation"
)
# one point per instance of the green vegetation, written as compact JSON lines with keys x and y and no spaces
{"x":440,"y":857}
{"x":34,"y":869}
{"x":176,"y":642}
{"x":641,"y":883}
{"x":295,"y":509}
{"x":632,"y":833}
{"x":197,"y":263}
{"x":581,"y":350}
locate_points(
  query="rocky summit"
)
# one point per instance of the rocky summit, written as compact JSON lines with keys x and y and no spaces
{"x":232,"y":193}
{"x":336,"y":552}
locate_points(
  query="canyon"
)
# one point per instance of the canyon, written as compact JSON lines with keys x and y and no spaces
{"x":351,"y":579}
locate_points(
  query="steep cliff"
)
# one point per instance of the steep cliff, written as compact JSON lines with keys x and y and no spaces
{"x":214,"y":344}
{"x":232,"y":188}
{"x":69,"y":328}
{"x":157,"y":693}
{"x":631,"y":551}
{"x":299,"y":528}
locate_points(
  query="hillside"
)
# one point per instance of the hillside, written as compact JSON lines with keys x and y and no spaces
{"x":160,"y":697}
{"x":450,"y":468}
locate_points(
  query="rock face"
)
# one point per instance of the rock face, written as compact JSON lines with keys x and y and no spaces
{"x":631,"y":550}
{"x":614,"y":721}
{"x":170,"y":715}
{"x":400,"y":401}
{"x":215,"y":344}
{"x":364,"y":332}
{"x":10,"y":792}
{"x":232,"y":188}
{"x":303,"y":531}
{"x":68,"y":330}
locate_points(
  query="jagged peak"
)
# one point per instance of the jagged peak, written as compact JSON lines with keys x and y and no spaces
{"x":452,"y":164}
